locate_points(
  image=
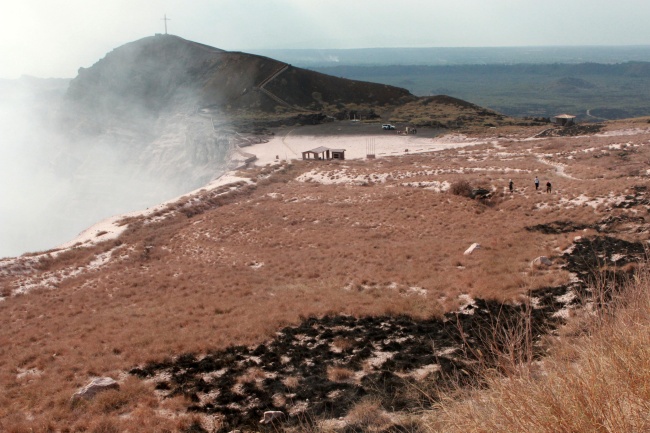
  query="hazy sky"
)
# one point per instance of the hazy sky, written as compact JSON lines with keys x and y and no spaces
{"x":52,"y":38}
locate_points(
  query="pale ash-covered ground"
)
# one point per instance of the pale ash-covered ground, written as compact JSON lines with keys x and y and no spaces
{"x":488,"y":161}
{"x":234,"y":262}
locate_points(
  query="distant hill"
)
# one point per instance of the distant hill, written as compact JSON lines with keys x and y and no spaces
{"x":445,"y":56}
{"x":570,"y":84}
{"x":155,"y":71}
{"x":524,"y":90}
{"x":165,"y":73}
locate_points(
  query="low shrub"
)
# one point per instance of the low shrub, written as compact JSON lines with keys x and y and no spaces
{"x":462,"y":188}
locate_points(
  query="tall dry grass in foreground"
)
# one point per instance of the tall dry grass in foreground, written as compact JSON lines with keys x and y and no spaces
{"x":599,"y":382}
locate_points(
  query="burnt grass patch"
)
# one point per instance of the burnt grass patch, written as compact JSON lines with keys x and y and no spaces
{"x":622,"y":223}
{"x":639,"y":197}
{"x":385,"y":348}
{"x":611,"y":224}
{"x":573,"y":130}
{"x":604,"y":261}
{"x":290,"y":372}
{"x":557,"y":227}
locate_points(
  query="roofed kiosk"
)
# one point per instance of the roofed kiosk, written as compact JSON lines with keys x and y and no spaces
{"x":564,"y":119}
{"x":324,"y":153}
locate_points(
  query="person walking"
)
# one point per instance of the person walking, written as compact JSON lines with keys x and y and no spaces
{"x":548,"y":187}
{"x":511,"y":185}
{"x":536,"y":183}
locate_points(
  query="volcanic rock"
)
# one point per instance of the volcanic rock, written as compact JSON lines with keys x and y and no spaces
{"x":540,"y":261}
{"x":97,"y":385}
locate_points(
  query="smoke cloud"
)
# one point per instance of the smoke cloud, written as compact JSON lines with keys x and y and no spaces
{"x":55,"y":182}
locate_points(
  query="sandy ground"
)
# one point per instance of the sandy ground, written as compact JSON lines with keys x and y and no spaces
{"x":110,"y":228}
{"x":290,"y":145}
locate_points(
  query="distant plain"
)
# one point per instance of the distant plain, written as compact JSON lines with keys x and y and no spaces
{"x":610,"y":82}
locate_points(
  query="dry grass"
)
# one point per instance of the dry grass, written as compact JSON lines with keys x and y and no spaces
{"x":291,"y":382}
{"x":369,"y":415}
{"x":339,"y":374}
{"x":601,"y":386}
{"x":253,"y":374}
{"x":235,"y":268}
{"x":343,"y":344}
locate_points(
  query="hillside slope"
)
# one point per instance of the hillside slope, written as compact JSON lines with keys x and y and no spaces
{"x":355,"y":262}
{"x":156,"y":71}
{"x":147,"y":78}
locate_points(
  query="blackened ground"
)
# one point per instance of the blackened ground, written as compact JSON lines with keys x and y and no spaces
{"x":602,"y":261}
{"x":612,"y":224}
{"x":383,"y":355}
{"x":384,"y":348}
{"x":571,"y":131}
{"x":557,"y":227}
{"x":639,"y":197}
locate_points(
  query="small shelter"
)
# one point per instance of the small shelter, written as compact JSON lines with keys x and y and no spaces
{"x":324,"y":153}
{"x":564,"y":120}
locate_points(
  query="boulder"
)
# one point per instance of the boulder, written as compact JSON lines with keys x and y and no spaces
{"x":472,"y":248}
{"x":270,"y":416}
{"x":97,"y":385}
{"x":540,"y":262}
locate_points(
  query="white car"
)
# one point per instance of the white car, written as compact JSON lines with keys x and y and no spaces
{"x":387,"y":126}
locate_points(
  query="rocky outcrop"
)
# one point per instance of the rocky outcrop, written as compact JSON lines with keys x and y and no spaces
{"x":541,"y":261}
{"x":97,"y":385}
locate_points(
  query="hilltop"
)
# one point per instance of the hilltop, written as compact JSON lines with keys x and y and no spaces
{"x":154,"y":72}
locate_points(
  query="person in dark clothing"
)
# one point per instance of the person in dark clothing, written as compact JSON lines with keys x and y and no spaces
{"x":511,"y":185}
{"x":548,"y":187}
{"x":536,"y":183}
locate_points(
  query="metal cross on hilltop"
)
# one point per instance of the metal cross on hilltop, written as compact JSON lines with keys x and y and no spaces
{"x":165,"y":20}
